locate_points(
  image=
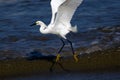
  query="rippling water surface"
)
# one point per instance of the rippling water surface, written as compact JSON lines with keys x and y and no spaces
{"x":98,"y":27}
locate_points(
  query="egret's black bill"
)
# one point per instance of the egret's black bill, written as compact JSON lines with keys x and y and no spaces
{"x":33,"y":24}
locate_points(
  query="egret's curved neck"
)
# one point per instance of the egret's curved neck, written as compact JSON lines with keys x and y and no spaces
{"x":43,"y":28}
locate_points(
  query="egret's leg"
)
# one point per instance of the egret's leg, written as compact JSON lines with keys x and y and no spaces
{"x":74,"y":55}
{"x":58,"y":55}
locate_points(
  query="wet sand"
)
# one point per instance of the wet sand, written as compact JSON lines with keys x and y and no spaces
{"x":107,"y":60}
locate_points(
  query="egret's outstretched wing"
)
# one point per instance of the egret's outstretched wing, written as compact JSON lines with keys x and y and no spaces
{"x":54,"y":6}
{"x":66,"y":11}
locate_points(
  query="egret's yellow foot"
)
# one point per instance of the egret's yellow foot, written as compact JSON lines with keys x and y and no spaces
{"x":75,"y":57}
{"x":57,"y":57}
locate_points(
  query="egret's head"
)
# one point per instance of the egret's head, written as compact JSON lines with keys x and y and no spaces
{"x":36,"y":23}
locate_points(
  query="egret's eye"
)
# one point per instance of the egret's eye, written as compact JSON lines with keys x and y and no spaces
{"x":37,"y":22}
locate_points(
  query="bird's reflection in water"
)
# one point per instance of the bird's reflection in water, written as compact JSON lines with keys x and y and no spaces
{"x":35,"y":55}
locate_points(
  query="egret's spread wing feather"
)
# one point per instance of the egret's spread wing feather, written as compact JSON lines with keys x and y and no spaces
{"x":54,"y":7}
{"x":66,"y":11}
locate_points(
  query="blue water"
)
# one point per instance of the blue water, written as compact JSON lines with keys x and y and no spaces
{"x":18,"y":38}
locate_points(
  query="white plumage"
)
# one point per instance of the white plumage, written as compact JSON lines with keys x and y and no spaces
{"x":62,"y":12}
{"x":54,"y":7}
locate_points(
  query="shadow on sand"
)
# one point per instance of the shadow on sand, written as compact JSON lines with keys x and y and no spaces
{"x":35,"y":55}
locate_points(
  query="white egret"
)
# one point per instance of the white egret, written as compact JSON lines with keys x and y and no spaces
{"x":62,"y":12}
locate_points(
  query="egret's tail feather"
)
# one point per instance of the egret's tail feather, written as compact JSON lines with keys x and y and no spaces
{"x":74,"y":29}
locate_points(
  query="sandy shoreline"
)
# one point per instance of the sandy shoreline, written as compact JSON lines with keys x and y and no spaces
{"x":108,"y":60}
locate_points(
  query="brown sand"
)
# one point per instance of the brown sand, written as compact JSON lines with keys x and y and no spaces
{"x":108,"y":60}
